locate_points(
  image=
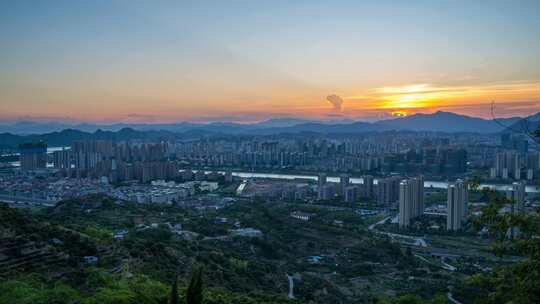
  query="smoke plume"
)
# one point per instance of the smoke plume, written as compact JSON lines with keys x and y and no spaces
{"x":336,"y":101}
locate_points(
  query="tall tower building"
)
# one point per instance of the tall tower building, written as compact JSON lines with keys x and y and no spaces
{"x":517,"y":196}
{"x":387,"y":191}
{"x":321,"y":181}
{"x":367,"y":186}
{"x":405,"y":204}
{"x":456,"y":205}
{"x":411,"y":200}
{"x":351,"y":194}
{"x":343,"y":183}
{"x":419,"y":206}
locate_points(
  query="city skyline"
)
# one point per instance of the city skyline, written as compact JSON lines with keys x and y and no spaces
{"x":156,"y":62}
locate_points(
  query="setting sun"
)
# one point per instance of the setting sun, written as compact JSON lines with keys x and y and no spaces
{"x":404,"y":102}
{"x":415,"y":98}
{"x":399,"y":113}
{"x":407,"y":97}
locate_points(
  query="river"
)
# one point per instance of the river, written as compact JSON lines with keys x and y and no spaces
{"x":356,"y":180}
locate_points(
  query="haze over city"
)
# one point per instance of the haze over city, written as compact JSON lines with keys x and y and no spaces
{"x":246,"y":61}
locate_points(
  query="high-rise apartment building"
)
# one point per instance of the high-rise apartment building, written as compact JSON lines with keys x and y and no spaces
{"x":351,"y":194}
{"x":321,"y":182}
{"x":507,"y":165}
{"x":411,"y":200}
{"x":62,"y":159}
{"x":387,"y":191}
{"x":343,"y":183}
{"x":456,"y":205}
{"x":367,"y":186}
{"x":517,"y":196}
{"x":33,"y":156}
{"x":327,"y":191}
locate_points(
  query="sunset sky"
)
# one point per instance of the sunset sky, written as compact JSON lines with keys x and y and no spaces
{"x":166,"y":61}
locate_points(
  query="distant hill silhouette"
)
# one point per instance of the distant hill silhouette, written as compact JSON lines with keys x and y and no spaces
{"x":528,"y":124}
{"x":436,"y":122}
{"x":66,"y":137}
{"x":446,"y":122}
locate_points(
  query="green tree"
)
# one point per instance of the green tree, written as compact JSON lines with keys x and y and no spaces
{"x":518,"y":282}
{"x":194,"y":292}
{"x":412,"y":299}
{"x":173,"y":298}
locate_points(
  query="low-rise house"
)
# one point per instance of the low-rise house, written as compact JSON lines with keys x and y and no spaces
{"x":246,"y":232}
{"x":301,"y":215}
{"x":120,"y":234}
{"x":338,"y":223}
{"x":314,"y":259}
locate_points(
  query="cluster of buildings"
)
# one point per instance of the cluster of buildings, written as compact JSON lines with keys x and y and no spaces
{"x":161,"y":192}
{"x":407,"y":193}
{"x":312,"y":154}
{"x":388,"y":153}
{"x":411,"y":202}
{"x":277,"y":190}
{"x":95,"y":164}
{"x":405,"y":153}
{"x":439,"y":161}
{"x":118,"y":161}
{"x":344,"y":189}
{"x":152,"y":193}
{"x":47,"y":189}
{"x":514,"y":165}
{"x":385,"y":191}
{"x":362,"y":153}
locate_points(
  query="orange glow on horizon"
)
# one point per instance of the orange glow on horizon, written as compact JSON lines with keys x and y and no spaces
{"x":415,"y":98}
{"x":149,"y":106}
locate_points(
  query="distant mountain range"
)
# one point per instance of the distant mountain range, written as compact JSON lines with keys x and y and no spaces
{"x":56,"y":134}
{"x":448,"y":122}
{"x":528,"y":124}
{"x":27,"y":127}
{"x":67,"y":136}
